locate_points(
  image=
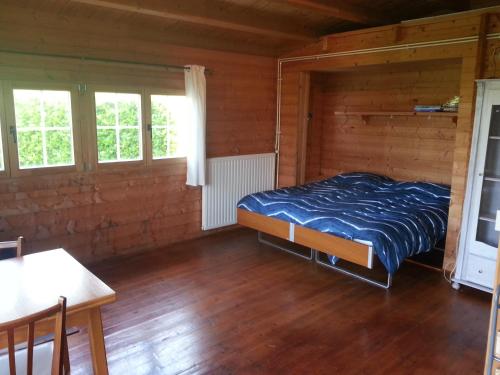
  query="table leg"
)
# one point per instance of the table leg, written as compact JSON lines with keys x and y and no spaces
{"x":96,"y":338}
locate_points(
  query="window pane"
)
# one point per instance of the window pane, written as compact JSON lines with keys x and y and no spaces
{"x":159,"y":110}
{"x":128,"y":109}
{"x":27,"y":108}
{"x":62,"y":154}
{"x":106,"y":144}
{"x":29,"y":145}
{"x":56,"y":114}
{"x":129,"y":145}
{"x":105,"y":113}
{"x":168,"y":116}
{"x":44,"y":128}
{"x":118,"y":119}
{"x":159,"y":142}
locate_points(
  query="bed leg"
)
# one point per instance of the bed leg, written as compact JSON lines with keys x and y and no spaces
{"x":380,"y":284}
{"x":266,"y":242}
{"x":389,"y":280}
{"x":313,"y":254}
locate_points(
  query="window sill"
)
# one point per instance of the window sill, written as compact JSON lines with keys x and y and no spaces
{"x":119,"y":167}
{"x":44,"y":171}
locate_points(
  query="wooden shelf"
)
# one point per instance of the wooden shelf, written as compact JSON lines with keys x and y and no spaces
{"x":452,"y":115}
{"x":488,"y":219}
{"x":493,"y":179}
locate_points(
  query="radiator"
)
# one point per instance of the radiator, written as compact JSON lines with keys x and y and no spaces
{"x":230,"y":179}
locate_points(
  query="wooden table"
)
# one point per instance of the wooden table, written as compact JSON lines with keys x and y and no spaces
{"x":34,"y":282}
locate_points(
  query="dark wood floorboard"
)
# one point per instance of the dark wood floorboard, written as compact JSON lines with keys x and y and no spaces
{"x":225,"y":304}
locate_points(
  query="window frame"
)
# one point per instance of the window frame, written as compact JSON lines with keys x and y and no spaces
{"x":84,"y":127}
{"x":121,"y":164}
{"x":148,"y":93}
{"x":4,"y":135}
{"x":13,"y":153}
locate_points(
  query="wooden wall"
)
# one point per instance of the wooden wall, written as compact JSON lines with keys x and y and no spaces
{"x":314,"y":151}
{"x":99,"y":214}
{"x":288,"y":128}
{"x":402,"y":147}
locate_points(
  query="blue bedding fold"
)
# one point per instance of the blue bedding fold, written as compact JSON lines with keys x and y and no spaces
{"x":400,"y":219}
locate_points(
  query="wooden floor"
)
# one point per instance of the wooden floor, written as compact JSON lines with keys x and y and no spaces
{"x":227,"y":305}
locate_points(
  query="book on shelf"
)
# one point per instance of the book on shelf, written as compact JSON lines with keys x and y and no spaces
{"x":428,"y":108}
{"x":450,"y":108}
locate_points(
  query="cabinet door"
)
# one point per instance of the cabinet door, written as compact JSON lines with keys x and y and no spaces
{"x":482,"y":237}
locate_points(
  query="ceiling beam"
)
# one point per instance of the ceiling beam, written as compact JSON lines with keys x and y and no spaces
{"x":198,"y":20}
{"x":343,"y":12}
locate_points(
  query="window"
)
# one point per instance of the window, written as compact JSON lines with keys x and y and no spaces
{"x":119,"y":126}
{"x":2,"y":162}
{"x":43,"y":128}
{"x":168,"y":126}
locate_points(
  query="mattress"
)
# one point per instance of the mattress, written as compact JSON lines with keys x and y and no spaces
{"x":400,"y":219}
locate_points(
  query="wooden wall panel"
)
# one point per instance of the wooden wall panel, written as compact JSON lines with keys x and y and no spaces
{"x":100,"y":214}
{"x":429,"y":29}
{"x":406,"y":148}
{"x":468,"y":75}
{"x":289,"y":118}
{"x":315,"y":131}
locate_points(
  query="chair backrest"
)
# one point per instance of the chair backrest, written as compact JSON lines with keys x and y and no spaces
{"x":9,"y":245}
{"x":60,"y":357}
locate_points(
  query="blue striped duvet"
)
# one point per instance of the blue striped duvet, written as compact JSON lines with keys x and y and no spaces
{"x":400,"y":219}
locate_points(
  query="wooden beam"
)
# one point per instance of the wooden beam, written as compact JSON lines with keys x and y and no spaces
{"x":343,"y":12}
{"x":195,"y":19}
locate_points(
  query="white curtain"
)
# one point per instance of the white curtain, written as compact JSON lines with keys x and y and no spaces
{"x":196,"y":93}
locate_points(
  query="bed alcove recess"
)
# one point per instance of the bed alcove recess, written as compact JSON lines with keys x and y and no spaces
{"x":331,"y":97}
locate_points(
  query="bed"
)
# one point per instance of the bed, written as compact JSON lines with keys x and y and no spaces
{"x":354,"y":216}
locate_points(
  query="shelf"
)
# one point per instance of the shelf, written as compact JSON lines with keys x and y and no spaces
{"x":452,"y":115}
{"x":493,"y":179}
{"x":488,"y":219}
{"x":494,"y":137}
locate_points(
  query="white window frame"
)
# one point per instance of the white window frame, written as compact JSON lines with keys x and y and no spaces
{"x":8,"y":99}
{"x":148,"y":93}
{"x":4,"y":135}
{"x":120,"y":164}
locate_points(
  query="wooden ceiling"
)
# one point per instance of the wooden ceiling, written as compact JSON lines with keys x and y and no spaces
{"x":263,"y":27}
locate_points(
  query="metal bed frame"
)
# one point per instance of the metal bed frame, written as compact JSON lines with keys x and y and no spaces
{"x":269,"y":243}
{"x":316,"y":258}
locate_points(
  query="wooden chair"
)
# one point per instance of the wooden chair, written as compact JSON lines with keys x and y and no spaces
{"x":9,"y":245}
{"x":60,"y":357}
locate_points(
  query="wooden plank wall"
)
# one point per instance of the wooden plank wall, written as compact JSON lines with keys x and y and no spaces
{"x":95,"y":215}
{"x":315,"y":132}
{"x":289,"y":129}
{"x":401,"y":147}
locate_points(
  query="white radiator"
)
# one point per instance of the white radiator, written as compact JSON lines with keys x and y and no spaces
{"x":229,"y":180}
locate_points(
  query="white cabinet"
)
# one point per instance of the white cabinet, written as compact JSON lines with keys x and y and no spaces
{"x":479,"y":239}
